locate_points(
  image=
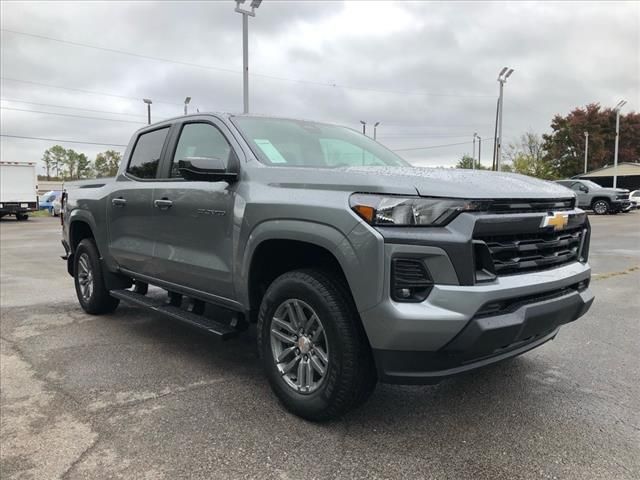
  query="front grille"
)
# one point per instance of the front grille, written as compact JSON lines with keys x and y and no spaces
{"x":624,"y":196}
{"x":534,"y":205}
{"x":518,"y":253}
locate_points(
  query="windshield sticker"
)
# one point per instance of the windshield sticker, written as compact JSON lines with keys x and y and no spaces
{"x":270,"y":151}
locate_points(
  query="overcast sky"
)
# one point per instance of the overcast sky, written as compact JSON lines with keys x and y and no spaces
{"x":426,"y":71}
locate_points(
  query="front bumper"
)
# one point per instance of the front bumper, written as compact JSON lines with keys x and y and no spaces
{"x":621,"y":205}
{"x":484,"y":340}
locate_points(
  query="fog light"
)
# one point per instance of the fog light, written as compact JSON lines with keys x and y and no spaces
{"x":404,"y":293}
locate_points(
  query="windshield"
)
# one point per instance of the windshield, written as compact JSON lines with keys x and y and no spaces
{"x":590,"y":184}
{"x":296,"y":143}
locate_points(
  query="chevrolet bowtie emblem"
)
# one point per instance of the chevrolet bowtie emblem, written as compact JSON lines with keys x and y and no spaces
{"x":558,"y":221}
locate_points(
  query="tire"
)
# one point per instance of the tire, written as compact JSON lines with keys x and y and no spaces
{"x":52,"y":212}
{"x":349,"y":373}
{"x":21,"y":217}
{"x":93,"y":296}
{"x":600,"y":207}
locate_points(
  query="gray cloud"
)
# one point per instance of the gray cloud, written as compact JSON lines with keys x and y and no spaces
{"x":565,"y":55}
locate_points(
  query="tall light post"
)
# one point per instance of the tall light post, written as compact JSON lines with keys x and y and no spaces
{"x":364,"y":127}
{"x":148,"y":102}
{"x":479,"y":149}
{"x":375,"y":127}
{"x":473,"y":158}
{"x":620,"y":104}
{"x":245,"y":47}
{"x":586,"y":150}
{"x":502,"y":79}
{"x":186,"y":102}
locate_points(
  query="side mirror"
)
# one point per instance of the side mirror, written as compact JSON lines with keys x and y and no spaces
{"x":584,"y":189}
{"x":205,"y":169}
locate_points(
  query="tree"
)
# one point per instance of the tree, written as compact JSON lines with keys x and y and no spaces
{"x":70,"y":163}
{"x":528,"y":157}
{"x":84,"y":168}
{"x":47,"y":159}
{"x":57,"y":156}
{"x":467,"y":162}
{"x":107,"y":163}
{"x":565,"y":145}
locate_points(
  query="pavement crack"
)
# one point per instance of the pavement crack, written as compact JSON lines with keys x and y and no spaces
{"x":82,"y":456}
{"x":48,"y":382}
{"x":604,"y":276}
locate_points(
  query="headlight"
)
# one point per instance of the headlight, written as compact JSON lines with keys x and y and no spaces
{"x":385,"y":210}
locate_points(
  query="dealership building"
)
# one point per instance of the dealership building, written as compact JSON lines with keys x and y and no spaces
{"x":628,"y":175}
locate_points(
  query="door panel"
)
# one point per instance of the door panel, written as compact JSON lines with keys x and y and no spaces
{"x":193,"y":221}
{"x":130,"y":205}
{"x":193,"y":238}
{"x":130,"y":222}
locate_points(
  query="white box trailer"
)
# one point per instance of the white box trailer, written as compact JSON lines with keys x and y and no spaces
{"x":18,"y":189}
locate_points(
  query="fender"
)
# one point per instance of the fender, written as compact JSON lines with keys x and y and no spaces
{"x":318,"y":234}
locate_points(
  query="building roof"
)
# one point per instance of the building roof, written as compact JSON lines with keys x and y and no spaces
{"x":624,"y":169}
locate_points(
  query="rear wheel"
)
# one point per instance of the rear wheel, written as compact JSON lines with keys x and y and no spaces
{"x":92,"y":294}
{"x":315,"y":352}
{"x":22,"y":216}
{"x":600,"y":207}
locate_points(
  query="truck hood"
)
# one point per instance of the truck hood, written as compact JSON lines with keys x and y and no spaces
{"x":436,"y":182}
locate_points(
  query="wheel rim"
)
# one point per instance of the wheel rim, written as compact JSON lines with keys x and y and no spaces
{"x":85,"y":277}
{"x":600,"y":207}
{"x":299,"y":346}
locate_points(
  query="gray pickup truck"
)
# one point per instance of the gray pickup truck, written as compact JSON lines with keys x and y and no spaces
{"x":356,"y":267}
{"x":601,"y":200}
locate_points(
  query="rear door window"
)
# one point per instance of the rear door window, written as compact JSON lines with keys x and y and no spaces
{"x":146,"y":154}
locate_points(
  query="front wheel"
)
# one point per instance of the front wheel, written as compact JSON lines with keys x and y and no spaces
{"x":92,"y":294}
{"x":600,"y":207}
{"x":315,"y":352}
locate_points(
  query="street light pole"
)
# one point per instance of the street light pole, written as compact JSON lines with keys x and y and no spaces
{"x":502,"y":79}
{"x":620,"y":104}
{"x":364,"y":127}
{"x":479,"y":149}
{"x":473,"y":158}
{"x":148,"y":102}
{"x":586,"y":150}
{"x":375,"y":127}
{"x":245,"y":48}
{"x":186,"y":102}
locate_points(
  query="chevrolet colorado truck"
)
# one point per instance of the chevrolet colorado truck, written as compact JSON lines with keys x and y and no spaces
{"x":601,"y":200}
{"x":355,"y":266}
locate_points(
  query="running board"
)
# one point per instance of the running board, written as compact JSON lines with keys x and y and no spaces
{"x":200,"y":322}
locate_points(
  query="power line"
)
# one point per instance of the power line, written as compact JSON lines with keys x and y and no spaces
{"x":69,"y":107}
{"x":92,"y":92}
{"x":424,"y":136}
{"x":228,"y":70}
{"x":74,"y":116}
{"x":431,"y":146}
{"x":488,"y":140}
{"x":62,"y":141}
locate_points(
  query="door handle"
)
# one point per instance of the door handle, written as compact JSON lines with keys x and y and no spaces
{"x":118,"y":202}
{"x":163,"y":204}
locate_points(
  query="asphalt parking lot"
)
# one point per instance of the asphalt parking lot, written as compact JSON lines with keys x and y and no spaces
{"x":133,"y":395}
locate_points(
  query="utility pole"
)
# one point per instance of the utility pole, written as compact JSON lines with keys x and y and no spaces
{"x":245,"y":47}
{"x":148,"y":102}
{"x":586,"y":150}
{"x":473,"y":158}
{"x":502,"y":79}
{"x":620,"y":104}
{"x":375,"y":127}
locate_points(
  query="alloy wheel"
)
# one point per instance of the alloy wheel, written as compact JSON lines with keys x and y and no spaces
{"x":299,"y":346}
